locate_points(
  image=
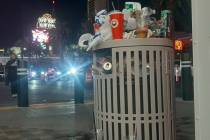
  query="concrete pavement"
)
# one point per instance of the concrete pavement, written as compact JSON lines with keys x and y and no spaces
{"x":65,"y":121}
{"x":54,"y":121}
{"x":5,"y":96}
{"x":185,"y":126}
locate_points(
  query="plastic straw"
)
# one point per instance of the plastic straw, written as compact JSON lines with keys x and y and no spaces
{"x":113,"y":6}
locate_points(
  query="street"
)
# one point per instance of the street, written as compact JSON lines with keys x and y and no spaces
{"x":52,"y":113}
{"x":44,"y":92}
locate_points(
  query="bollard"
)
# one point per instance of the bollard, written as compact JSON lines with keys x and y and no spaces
{"x":187,"y":81}
{"x":79,"y":88}
{"x":22,"y":76}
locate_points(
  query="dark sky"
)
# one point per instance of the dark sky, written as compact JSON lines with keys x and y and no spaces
{"x":18,"y":17}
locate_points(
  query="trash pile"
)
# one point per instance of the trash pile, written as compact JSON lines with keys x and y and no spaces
{"x":132,"y":22}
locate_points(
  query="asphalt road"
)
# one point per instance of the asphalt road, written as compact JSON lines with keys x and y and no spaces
{"x":44,"y":92}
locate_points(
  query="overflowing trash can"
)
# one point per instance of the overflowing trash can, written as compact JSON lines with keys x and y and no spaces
{"x":134,"y":89}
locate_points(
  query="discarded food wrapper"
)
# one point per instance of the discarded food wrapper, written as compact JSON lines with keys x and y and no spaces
{"x":134,"y":21}
{"x":130,"y":22}
{"x":85,"y":39}
{"x":101,"y":17}
{"x":105,"y":31}
{"x":132,"y":6}
{"x":145,"y":19}
{"x":146,"y":12}
{"x":94,"y":42}
{"x":129,"y":35}
{"x":149,"y":33}
{"x":102,"y":33}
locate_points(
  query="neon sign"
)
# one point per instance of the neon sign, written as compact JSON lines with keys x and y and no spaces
{"x":46,"y":22}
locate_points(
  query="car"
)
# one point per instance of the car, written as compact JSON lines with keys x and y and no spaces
{"x":53,"y":73}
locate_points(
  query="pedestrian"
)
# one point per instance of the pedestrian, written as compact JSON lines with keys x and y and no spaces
{"x":11,"y":73}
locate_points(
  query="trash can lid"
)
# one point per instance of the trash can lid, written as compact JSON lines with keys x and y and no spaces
{"x":162,"y":42}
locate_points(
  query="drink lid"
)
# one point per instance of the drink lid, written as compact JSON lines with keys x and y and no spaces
{"x":102,"y":12}
{"x":115,"y":12}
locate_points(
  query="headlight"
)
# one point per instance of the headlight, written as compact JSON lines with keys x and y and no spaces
{"x":33,"y":73}
{"x":58,"y":73}
{"x":72,"y":71}
{"x":42,"y":73}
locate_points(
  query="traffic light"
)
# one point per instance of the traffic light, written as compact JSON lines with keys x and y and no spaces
{"x":179,"y":45}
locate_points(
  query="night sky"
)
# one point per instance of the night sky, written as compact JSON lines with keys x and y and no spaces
{"x":18,"y":17}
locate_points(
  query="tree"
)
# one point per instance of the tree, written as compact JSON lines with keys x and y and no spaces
{"x":24,"y":45}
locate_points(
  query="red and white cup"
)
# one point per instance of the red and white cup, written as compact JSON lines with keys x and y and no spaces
{"x":116,"y":21}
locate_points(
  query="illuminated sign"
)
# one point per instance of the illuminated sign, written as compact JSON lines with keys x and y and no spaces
{"x":40,"y":36}
{"x":46,"y":22}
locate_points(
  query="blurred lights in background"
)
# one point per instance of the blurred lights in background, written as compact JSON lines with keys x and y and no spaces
{"x":73,"y":71}
{"x":50,"y":48}
{"x":40,"y":36}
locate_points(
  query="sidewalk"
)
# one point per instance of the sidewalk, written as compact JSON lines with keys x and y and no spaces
{"x":64,"y":121}
{"x":6,"y":98}
{"x":185,"y":127}
{"x":55,"y":121}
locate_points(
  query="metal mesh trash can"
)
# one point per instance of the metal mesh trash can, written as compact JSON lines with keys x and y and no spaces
{"x":136,"y":99}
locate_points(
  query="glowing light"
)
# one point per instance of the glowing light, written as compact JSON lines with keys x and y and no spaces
{"x":50,"y":48}
{"x":46,"y":21}
{"x":33,"y":74}
{"x":40,"y":36}
{"x":58,"y":73}
{"x":72,"y":71}
{"x":179,"y":45}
